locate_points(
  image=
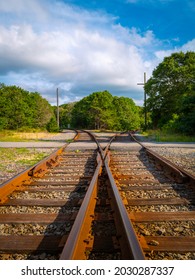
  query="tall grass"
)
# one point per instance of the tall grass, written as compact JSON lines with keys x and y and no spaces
{"x":15,"y":136}
{"x":165,"y":136}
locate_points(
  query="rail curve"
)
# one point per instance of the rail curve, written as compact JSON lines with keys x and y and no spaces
{"x":99,"y":202}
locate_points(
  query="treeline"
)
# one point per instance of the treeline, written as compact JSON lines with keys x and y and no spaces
{"x":101,"y":110}
{"x":23,"y":110}
{"x":171,"y":94}
{"x":20,"y":109}
{"x":170,"y":104}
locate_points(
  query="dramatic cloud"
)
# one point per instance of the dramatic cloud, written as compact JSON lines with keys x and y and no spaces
{"x":48,"y":44}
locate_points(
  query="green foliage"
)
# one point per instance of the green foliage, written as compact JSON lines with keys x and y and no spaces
{"x":171,"y":91}
{"x":127,"y":113}
{"x":20,"y":108}
{"x":100,"y":110}
{"x":22,"y":111}
{"x":65,"y":113}
{"x":167,"y":136}
{"x":52,"y":125}
{"x":21,"y":156}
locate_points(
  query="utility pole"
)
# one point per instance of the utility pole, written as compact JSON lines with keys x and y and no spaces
{"x":58,"y":115}
{"x":145,"y":113}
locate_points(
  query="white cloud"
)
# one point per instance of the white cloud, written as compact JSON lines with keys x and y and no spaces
{"x":189,"y":46}
{"x":73,"y":49}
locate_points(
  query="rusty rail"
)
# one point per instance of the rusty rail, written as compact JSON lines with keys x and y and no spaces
{"x":25,"y":176}
{"x":129,"y":243}
{"x":131,"y":248}
{"x":172,"y":170}
{"x":79,"y":238}
{"x":74,"y":248}
{"x":36,"y":170}
{"x":128,"y":238}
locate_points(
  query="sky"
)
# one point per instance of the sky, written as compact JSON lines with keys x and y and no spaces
{"x":86,"y":46}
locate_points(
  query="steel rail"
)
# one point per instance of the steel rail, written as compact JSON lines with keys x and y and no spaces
{"x":25,"y":176}
{"x":76,"y":242}
{"x":80,"y":238}
{"x":102,"y":152}
{"x":127,"y":236}
{"x":175,"y":171}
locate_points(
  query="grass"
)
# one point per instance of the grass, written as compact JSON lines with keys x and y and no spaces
{"x":69,"y":140}
{"x":162,"y":136}
{"x":16,"y":136}
{"x":22,"y":156}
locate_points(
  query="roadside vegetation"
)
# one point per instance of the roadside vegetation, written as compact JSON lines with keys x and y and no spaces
{"x":17,"y":136}
{"x":164,"y":136}
{"x":16,"y":160}
{"x":21,"y":156}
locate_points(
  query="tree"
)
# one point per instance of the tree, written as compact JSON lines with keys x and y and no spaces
{"x":14,"y":106}
{"x":65,"y":113}
{"x":20,"y":108}
{"x":100,"y":110}
{"x":52,"y":125}
{"x":127,"y":113}
{"x":171,"y":84}
{"x":42,"y":110}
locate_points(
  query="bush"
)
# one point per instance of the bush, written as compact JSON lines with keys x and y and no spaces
{"x":52,"y":125}
{"x":3,"y":123}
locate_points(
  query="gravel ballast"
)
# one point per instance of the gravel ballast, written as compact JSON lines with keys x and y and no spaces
{"x":182,"y":154}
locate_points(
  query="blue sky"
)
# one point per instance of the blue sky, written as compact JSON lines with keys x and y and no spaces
{"x":86,"y":46}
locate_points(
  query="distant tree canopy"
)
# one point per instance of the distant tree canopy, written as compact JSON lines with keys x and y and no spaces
{"x":20,"y":108}
{"x":171,"y":92}
{"x":101,"y":110}
{"x":65,"y":114}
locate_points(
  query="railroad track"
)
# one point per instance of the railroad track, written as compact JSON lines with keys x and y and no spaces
{"x":38,"y":207}
{"x":160,"y":200}
{"x":98,"y":204}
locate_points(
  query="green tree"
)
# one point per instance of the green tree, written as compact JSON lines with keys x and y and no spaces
{"x":52,"y":125}
{"x":14,"y":106}
{"x":20,"y":108}
{"x":171,"y":84}
{"x":100,"y":110}
{"x":94,"y":111}
{"x":65,"y":114}
{"x":42,"y":111}
{"x":127,"y":113}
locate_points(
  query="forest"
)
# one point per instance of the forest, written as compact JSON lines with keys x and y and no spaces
{"x":170,"y":104}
